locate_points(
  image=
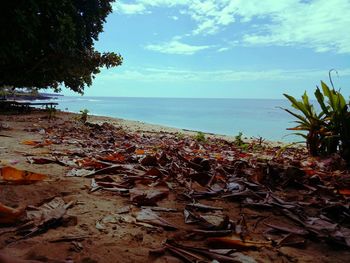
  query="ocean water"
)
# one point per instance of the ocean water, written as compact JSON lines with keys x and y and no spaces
{"x":253,"y":117}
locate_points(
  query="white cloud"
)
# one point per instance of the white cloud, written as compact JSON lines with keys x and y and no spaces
{"x":228,"y":45}
{"x":318,"y":24}
{"x":174,"y":18}
{"x":129,"y":9}
{"x":218,"y":76}
{"x":223,"y":49}
{"x":176,"y":47}
{"x":321,"y":25}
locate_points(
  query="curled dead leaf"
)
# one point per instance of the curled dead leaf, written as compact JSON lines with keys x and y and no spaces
{"x":14,"y":175}
{"x":9,"y":215}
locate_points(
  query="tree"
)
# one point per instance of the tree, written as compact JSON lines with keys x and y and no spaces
{"x":48,"y":43}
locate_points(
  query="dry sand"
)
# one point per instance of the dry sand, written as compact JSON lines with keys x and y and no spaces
{"x":119,"y":242}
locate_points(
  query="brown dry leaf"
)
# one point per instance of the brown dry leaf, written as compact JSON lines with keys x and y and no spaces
{"x":155,"y":172}
{"x":14,"y":175}
{"x":215,"y":221}
{"x":30,"y":142}
{"x":198,"y":254}
{"x":140,"y":152}
{"x":288,"y":229}
{"x":92,"y":163}
{"x":37,"y":143}
{"x":149,"y":217}
{"x":9,"y":215}
{"x":149,"y":160}
{"x":108,"y":184}
{"x":231,"y":242}
{"x":44,"y":217}
{"x":35,"y":160}
{"x":114,"y":157}
{"x":203,"y":207}
{"x":344,"y":191}
{"x":148,"y":197}
{"x":292,"y":240}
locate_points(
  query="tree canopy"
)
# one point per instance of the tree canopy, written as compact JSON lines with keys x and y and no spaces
{"x":46,"y":43}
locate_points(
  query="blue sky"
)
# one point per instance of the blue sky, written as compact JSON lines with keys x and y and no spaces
{"x":224,"y":48}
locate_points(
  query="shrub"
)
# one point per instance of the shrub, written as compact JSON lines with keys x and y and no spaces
{"x":84,"y":115}
{"x":200,"y":137}
{"x":238,"y":139}
{"x":180,"y":135}
{"x":327,"y":132}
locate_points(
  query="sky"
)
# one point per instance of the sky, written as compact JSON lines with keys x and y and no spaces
{"x":224,"y":48}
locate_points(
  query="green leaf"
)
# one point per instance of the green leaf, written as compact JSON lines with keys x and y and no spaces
{"x":329,"y":94}
{"x":300,"y":134}
{"x":303,"y":119}
{"x":320,"y":98}
{"x":297,"y":105}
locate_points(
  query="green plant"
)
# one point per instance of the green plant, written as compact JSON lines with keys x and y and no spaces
{"x":328,"y":131}
{"x":180,"y":135}
{"x":308,"y":121}
{"x":200,"y":137}
{"x":84,"y":115}
{"x":238,"y":139}
{"x":337,"y":119}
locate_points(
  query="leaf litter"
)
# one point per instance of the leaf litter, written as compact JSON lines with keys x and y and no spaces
{"x":223,"y":202}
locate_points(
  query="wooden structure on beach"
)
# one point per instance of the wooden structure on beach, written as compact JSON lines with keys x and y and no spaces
{"x":24,"y":105}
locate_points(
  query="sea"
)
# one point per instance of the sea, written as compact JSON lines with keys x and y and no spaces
{"x":253,"y":117}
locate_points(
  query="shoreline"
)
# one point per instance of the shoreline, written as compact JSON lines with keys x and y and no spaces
{"x":140,"y":126}
{"x":228,"y":119}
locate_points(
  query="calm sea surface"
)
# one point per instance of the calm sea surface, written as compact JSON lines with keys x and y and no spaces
{"x":253,"y":117}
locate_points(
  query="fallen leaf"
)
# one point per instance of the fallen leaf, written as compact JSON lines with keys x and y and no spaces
{"x":78,"y":172}
{"x":288,"y":229}
{"x":92,"y":163}
{"x":149,"y":160}
{"x":203,"y":207}
{"x":10,"y":215}
{"x":35,"y":160}
{"x":140,"y":152}
{"x":14,"y":175}
{"x":344,"y":191}
{"x":230,"y":242}
{"x":44,"y":217}
{"x":292,"y":240}
{"x":114,"y":157}
{"x":147,"y":197}
{"x":148,"y":216}
{"x":37,"y":143}
{"x":30,"y":142}
{"x":194,"y":254}
{"x":9,"y":162}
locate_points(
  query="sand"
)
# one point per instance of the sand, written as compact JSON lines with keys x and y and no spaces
{"x":143,"y":127}
{"x":118,"y":242}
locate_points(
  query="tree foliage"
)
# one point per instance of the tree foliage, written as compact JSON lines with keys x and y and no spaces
{"x":46,"y":43}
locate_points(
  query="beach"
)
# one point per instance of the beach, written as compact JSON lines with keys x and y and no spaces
{"x":124,"y":187}
{"x":143,"y":127}
{"x":252,"y":117}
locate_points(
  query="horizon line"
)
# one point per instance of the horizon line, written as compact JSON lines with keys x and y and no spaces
{"x":79,"y":96}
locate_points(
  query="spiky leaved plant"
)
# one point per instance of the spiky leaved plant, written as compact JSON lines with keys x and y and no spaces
{"x":310,"y":121}
{"x":337,"y":120}
{"x":328,"y":131}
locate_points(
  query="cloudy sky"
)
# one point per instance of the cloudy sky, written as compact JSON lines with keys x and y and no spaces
{"x":224,"y":48}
